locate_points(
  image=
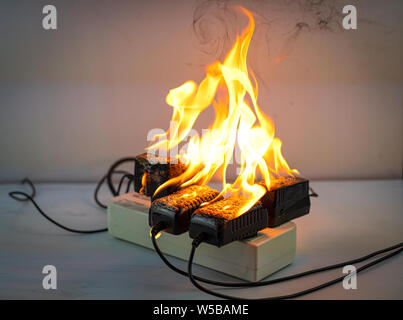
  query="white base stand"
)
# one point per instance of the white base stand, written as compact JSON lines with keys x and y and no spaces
{"x":252,"y":259}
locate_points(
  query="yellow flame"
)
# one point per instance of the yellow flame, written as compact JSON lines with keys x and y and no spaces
{"x":143,"y":183}
{"x":236,"y":122}
{"x":156,"y":236}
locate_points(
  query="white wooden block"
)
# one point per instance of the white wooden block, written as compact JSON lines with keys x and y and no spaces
{"x":251,"y":259}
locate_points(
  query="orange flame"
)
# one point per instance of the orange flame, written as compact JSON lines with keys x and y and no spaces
{"x":235,"y":123}
{"x":143,"y":183}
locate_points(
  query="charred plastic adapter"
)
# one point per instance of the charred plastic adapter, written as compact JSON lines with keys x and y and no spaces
{"x":220,"y":223}
{"x":152,"y":171}
{"x":287,"y":199}
{"x":175,"y":210}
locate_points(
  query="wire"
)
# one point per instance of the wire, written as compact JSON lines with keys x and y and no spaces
{"x":313,"y":193}
{"x":112,"y":169}
{"x":129,"y":176}
{"x":13,"y":194}
{"x":23,"y":196}
{"x":27,"y":197}
{"x":159,"y":227}
{"x":289,"y":296}
{"x":129,"y":184}
{"x":101,"y":182}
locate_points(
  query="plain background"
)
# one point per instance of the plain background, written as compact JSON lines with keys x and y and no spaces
{"x":73,"y":100}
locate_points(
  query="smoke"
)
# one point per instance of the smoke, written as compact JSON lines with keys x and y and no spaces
{"x":280,"y":25}
{"x":214,"y":23}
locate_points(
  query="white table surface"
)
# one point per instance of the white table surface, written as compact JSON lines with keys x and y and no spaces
{"x":348,"y":220}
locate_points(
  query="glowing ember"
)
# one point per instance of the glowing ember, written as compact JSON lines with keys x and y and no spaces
{"x":235,"y":122}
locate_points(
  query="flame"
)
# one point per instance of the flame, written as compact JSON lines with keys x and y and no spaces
{"x":238,"y":120}
{"x":156,"y":236}
{"x":143,"y":183}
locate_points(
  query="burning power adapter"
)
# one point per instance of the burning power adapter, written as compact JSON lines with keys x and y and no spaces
{"x":220,"y":223}
{"x":152,"y":171}
{"x":287,"y":199}
{"x":175,"y":210}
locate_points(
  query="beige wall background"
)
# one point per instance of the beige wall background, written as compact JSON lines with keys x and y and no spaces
{"x":75,"y":99}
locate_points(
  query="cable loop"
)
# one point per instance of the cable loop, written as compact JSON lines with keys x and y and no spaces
{"x":23,"y":196}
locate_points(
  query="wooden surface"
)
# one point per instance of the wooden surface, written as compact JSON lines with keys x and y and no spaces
{"x":348,"y":220}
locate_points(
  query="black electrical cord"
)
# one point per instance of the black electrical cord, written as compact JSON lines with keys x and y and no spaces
{"x":159,"y":227}
{"x":13,"y":194}
{"x":313,"y":193}
{"x":23,"y":196}
{"x":112,"y":169}
{"x":129,"y":184}
{"x":128,"y":176}
{"x":100,"y":184}
{"x":192,"y":278}
{"x":26,"y":197}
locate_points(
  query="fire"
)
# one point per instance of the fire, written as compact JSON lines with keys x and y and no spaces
{"x":143,"y":183}
{"x":228,"y":88}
